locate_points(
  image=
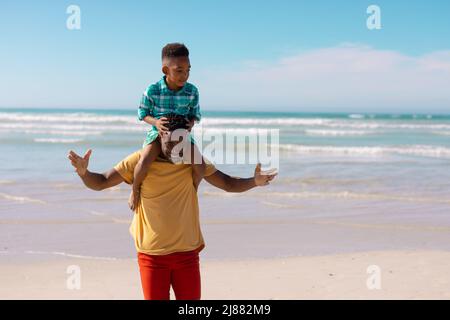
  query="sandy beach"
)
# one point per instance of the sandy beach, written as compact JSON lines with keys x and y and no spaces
{"x":403,"y":275}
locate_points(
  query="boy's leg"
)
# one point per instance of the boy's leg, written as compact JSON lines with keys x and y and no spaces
{"x":185,"y":276}
{"x":155,"y":277}
{"x":198,"y":165}
{"x":149,"y":154}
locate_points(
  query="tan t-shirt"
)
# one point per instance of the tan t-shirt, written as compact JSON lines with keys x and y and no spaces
{"x":167,"y":219}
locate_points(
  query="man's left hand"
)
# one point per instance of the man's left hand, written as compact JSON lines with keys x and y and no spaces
{"x":263,"y":178}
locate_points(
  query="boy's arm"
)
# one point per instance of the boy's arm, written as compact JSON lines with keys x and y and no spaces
{"x":93,"y":180}
{"x":145,"y":107}
{"x":150,"y":120}
{"x":145,"y":110}
{"x":236,"y":184}
{"x":194,"y":113}
{"x":145,"y":113}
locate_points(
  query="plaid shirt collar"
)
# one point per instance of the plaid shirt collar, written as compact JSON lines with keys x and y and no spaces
{"x":164,"y":87}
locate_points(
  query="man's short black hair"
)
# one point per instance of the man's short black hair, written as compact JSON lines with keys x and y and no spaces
{"x":176,"y":121}
{"x":174,"y":50}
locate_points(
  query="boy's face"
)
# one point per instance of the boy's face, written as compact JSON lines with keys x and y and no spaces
{"x":176,"y":71}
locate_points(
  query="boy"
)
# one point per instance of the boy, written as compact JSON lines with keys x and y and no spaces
{"x":174,"y":96}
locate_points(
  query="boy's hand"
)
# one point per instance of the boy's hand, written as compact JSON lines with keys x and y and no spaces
{"x":80,"y":163}
{"x":160,"y":124}
{"x":190,"y":124}
{"x":134,"y":199}
{"x":263,"y":178}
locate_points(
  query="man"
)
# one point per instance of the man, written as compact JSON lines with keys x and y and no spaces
{"x":166,"y":226}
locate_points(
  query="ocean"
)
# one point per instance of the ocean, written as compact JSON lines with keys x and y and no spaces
{"x":383,"y":175}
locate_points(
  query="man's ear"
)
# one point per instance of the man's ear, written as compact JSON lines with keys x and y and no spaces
{"x":165,"y":70}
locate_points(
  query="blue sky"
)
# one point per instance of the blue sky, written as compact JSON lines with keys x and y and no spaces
{"x":245,"y":55}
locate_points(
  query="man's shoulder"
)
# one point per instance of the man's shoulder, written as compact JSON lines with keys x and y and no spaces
{"x":127,"y":165}
{"x":133,"y":158}
{"x":136,"y":155}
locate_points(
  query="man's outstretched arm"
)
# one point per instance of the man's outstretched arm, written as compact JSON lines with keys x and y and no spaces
{"x":93,"y":180}
{"x":235,"y":184}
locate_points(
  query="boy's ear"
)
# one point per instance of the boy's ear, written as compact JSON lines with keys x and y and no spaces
{"x":165,"y":70}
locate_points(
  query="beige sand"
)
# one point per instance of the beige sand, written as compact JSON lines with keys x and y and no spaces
{"x":404,"y":275}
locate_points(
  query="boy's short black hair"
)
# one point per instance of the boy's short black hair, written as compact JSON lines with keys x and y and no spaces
{"x":174,"y":50}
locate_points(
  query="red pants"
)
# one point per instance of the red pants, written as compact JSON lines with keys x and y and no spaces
{"x":179,"y":269}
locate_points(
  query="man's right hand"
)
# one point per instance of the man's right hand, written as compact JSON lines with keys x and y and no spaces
{"x":80,"y":163}
{"x":160,"y":124}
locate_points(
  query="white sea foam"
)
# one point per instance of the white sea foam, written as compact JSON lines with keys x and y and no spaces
{"x":67,"y":117}
{"x":418,"y":150}
{"x":339,"y":195}
{"x":360,"y":196}
{"x":393,"y":126}
{"x":63,"y":133}
{"x":105,"y":119}
{"x":337,"y":133}
{"x":75,"y":127}
{"x":124,"y":122}
{"x":70,"y":255}
{"x":326,"y":123}
{"x":97,"y":213}
{"x":223,"y":130}
{"x":373,"y":125}
{"x":255,"y":121}
{"x":56,"y":140}
{"x":443,"y":133}
{"x":356,"y":116}
{"x":21,"y":199}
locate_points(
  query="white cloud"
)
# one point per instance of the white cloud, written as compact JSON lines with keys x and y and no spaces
{"x":343,"y":78}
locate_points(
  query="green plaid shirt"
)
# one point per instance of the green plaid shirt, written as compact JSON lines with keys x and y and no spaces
{"x":158,"y":100}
